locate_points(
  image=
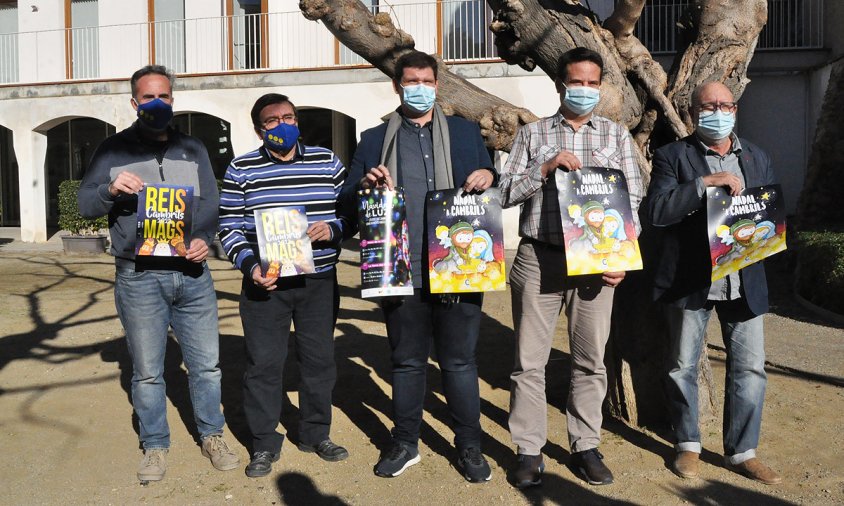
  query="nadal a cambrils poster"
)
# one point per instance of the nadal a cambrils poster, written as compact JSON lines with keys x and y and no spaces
{"x":164,"y":220}
{"x":384,"y":244}
{"x":283,"y":243}
{"x":744,"y":229}
{"x":598,"y":228}
{"x":465,"y":241}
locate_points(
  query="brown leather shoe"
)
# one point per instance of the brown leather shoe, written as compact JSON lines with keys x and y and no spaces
{"x":756,"y":470}
{"x":687,"y":465}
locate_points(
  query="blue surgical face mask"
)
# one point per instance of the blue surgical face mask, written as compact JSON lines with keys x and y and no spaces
{"x":282,"y":138}
{"x":716,"y":125}
{"x":419,"y":97}
{"x":155,"y":114}
{"x":581,"y":99}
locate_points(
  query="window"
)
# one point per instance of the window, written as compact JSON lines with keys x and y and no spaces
{"x":214,"y":133}
{"x":248,"y":34}
{"x":465,"y":30}
{"x":84,"y":37}
{"x":168,"y":26}
{"x":8,"y":42}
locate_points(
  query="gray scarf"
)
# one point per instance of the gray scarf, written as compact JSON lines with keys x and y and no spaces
{"x":443,"y":177}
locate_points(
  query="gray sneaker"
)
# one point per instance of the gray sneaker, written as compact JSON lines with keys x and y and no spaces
{"x":215,"y":448}
{"x":153,"y":465}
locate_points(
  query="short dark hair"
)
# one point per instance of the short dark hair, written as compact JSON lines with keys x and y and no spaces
{"x":265,"y":100}
{"x":414,"y":60}
{"x":160,"y":70}
{"x":577,"y":55}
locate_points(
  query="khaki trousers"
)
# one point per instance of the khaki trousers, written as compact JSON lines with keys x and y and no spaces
{"x":539,"y":288}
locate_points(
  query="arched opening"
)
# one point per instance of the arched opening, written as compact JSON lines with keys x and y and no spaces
{"x":10,"y":206}
{"x":70,"y":147}
{"x":215,"y":134}
{"x":329,"y":129}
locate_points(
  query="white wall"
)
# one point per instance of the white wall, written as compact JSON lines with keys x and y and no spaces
{"x":42,"y":54}
{"x":123,"y":37}
{"x":203,"y":22}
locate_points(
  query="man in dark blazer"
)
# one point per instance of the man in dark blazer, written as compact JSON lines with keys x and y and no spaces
{"x":421,"y":149}
{"x":712,"y":156}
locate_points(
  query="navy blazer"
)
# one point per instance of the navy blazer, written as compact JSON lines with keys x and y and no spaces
{"x":682,"y":277}
{"x":468,"y":153}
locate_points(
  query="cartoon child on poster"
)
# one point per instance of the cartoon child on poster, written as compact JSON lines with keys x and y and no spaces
{"x":458,"y":259}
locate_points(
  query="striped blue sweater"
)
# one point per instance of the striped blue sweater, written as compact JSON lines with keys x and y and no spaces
{"x":258,"y":180}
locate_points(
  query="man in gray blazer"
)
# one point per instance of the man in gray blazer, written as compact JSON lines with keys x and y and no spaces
{"x":712,"y":156}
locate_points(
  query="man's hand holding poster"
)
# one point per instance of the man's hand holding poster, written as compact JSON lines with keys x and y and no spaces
{"x":164,"y":220}
{"x":283,"y":243}
{"x":384,"y":244}
{"x":465,"y":241}
{"x":744,"y":229}
{"x":598,"y":228}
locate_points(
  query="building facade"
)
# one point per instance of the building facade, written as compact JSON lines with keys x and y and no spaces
{"x":64,"y":68}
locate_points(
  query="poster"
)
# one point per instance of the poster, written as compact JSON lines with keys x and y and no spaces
{"x":384,"y":244}
{"x":744,"y":229}
{"x":283,"y":243}
{"x":465,"y":241}
{"x":598,"y":228}
{"x":164,"y":220}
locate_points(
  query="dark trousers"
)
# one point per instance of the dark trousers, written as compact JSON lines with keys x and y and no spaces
{"x":413,"y":323}
{"x":311,"y":303}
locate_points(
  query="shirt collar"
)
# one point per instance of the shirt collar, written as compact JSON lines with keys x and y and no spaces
{"x":299,"y":155}
{"x":735,"y":146}
{"x":558,"y":119}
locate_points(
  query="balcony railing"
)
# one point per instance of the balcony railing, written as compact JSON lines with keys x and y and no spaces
{"x":792,"y":24}
{"x":283,"y":40}
{"x":456,"y":29}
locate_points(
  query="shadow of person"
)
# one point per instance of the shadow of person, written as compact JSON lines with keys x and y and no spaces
{"x":718,"y":492}
{"x":233,"y":366}
{"x":297,"y":489}
{"x":557,"y":490}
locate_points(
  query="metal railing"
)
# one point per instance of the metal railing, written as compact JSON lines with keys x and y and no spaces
{"x":792,"y":24}
{"x":281,"y":40}
{"x":286,"y":40}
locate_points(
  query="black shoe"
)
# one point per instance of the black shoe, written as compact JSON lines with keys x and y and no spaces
{"x":474,"y":466}
{"x":529,"y":472}
{"x":588,"y":464}
{"x":261,"y":464}
{"x":326,"y":450}
{"x":396,"y":459}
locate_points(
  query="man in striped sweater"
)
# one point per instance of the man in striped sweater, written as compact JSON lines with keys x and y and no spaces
{"x":285,"y":172}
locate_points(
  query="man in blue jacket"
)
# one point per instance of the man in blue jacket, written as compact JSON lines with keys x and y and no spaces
{"x":711,"y":157}
{"x":421,"y":149}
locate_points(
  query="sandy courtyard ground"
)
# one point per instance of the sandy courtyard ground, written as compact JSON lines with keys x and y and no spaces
{"x":67,"y":433}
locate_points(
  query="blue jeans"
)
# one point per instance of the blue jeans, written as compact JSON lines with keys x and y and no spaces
{"x":744,"y":391}
{"x":413,"y":323}
{"x":148,"y":303}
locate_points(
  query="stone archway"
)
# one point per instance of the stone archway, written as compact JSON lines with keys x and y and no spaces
{"x":71,"y":143}
{"x":329,"y":129}
{"x":10,"y":215}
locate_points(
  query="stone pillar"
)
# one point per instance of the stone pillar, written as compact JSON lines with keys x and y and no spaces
{"x":31,"y":152}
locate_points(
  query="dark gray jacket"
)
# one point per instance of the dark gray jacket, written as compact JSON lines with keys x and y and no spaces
{"x":184,"y":161}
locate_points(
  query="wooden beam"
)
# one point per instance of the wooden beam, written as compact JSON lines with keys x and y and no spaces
{"x":68,"y":40}
{"x":265,"y":34}
{"x":151,"y":31}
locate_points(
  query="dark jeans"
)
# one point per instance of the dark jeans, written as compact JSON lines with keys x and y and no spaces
{"x":412,"y":324}
{"x":311,"y":304}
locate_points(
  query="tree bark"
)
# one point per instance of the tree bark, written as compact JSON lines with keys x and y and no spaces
{"x":720,"y":37}
{"x":378,"y":41}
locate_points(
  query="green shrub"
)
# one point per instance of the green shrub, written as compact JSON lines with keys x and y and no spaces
{"x":69,"y":217}
{"x":821,"y":269}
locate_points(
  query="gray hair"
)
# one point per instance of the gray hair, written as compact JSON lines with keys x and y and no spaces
{"x":160,"y":70}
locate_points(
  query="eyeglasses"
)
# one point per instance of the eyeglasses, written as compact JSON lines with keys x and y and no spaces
{"x":710,"y":107}
{"x":274,"y":121}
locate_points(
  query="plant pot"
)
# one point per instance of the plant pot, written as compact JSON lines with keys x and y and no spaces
{"x":84,"y":244}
